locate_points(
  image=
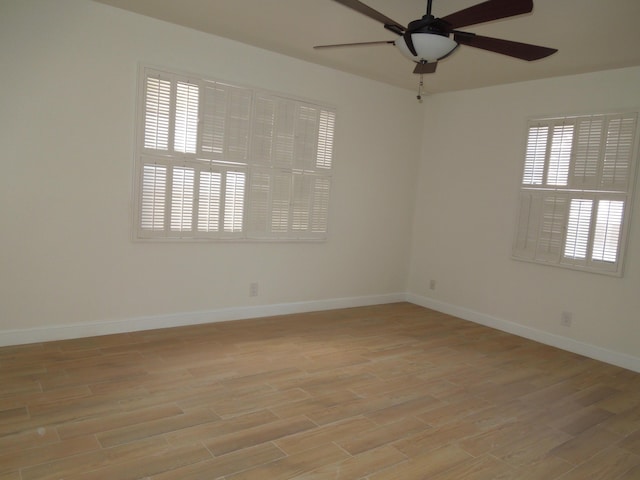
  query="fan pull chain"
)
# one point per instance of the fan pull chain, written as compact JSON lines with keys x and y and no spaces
{"x":420,"y":86}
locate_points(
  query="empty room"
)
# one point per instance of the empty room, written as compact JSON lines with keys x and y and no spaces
{"x":329,"y":239}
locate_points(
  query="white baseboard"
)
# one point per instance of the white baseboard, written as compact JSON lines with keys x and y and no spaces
{"x":592,"y":351}
{"x":66,"y":332}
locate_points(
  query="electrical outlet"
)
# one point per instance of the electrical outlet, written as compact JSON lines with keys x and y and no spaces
{"x":253,"y":289}
{"x":566,"y":318}
{"x":432,"y":285}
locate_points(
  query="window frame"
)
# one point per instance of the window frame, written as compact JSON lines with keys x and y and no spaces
{"x":544,"y":216}
{"x":207,"y":146}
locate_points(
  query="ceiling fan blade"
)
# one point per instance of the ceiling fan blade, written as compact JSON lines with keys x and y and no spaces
{"x":374,"y":14}
{"x":524,"y":51}
{"x":425,"y":67}
{"x":487,"y":11}
{"x":359,"y":44}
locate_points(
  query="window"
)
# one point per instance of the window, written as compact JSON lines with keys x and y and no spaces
{"x":576,"y":191}
{"x":220,"y":161}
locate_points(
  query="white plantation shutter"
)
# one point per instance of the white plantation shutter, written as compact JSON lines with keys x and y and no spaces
{"x":588,"y":151}
{"x":292,"y":145}
{"x":320,"y":205}
{"x":234,"y":186}
{"x":526,"y":241}
{"x":226,"y":122}
{"x":554,"y":213}
{"x":209,"y":201}
{"x":157,"y":113}
{"x":280,"y":203}
{"x":617,"y":153}
{"x":288,"y":206}
{"x":215,"y":115}
{"x":576,"y":185}
{"x":259,"y":197}
{"x":186,"y":128}
{"x":301,"y":205}
{"x":578,"y":227}
{"x":306,"y":136}
{"x":223,"y":161}
{"x":324,"y":155}
{"x":154,"y":187}
{"x":284,"y":134}
{"x":535,"y":157}
{"x":220,"y":202}
{"x":607,"y":230}
{"x":270,"y":195}
{"x":182,"y":199}
{"x":238,"y":124}
{"x":560,"y":155}
{"x":264,"y":122}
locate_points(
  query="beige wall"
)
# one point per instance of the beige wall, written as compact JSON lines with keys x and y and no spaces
{"x":466,"y":211}
{"x":66,"y":129}
{"x":67,"y":113}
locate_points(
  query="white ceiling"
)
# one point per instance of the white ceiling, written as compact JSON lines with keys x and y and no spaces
{"x":590,"y":35}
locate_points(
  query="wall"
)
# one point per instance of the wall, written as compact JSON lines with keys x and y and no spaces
{"x":67,"y":109}
{"x":473,"y":142}
{"x":68,"y":264}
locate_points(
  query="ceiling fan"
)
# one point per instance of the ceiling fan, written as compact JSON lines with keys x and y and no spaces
{"x":427,"y":40}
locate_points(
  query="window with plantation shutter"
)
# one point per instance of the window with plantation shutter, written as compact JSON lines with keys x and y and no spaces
{"x":576,"y":191}
{"x":221,"y":161}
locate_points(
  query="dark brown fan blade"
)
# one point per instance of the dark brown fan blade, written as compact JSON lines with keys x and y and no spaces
{"x":524,"y":51}
{"x":371,"y":13}
{"x":426,"y":67}
{"x":487,"y":11}
{"x":359,"y":44}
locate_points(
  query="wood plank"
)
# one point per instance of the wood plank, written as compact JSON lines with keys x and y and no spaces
{"x":386,"y":391}
{"x":298,"y":464}
{"x":250,"y":437}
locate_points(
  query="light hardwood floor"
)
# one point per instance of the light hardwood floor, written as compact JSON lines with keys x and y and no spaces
{"x":385,"y":392}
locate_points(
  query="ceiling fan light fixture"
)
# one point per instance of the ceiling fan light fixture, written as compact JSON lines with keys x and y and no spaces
{"x":431,"y":47}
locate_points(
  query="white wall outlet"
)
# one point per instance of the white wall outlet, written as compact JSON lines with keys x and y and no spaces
{"x":432,"y":285}
{"x":253,"y":289}
{"x":566,"y":318}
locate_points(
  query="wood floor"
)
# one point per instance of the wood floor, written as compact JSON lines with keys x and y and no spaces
{"x":386,"y":392}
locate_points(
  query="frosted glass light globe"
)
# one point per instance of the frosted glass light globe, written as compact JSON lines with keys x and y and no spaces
{"x":430,"y":47}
